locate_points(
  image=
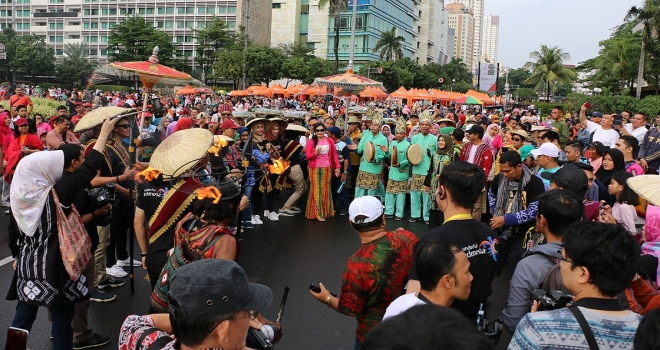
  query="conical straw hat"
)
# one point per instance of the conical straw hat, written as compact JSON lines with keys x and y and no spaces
{"x":97,"y":117}
{"x":181,"y":151}
{"x":647,"y":187}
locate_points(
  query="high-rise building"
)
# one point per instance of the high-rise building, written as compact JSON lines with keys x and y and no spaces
{"x":422,"y":24}
{"x":477,"y":8}
{"x":462,"y":21}
{"x":490,"y":39}
{"x":60,"y":22}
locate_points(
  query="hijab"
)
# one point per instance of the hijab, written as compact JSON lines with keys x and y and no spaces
{"x":605,"y":176}
{"x":34,"y":177}
{"x":449,"y":146}
{"x":161,"y":125}
{"x":183,"y":124}
{"x":390,"y":137}
{"x":268,"y":135}
{"x":415,"y":130}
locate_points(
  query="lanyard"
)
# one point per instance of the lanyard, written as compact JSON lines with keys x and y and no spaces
{"x":458,"y":217}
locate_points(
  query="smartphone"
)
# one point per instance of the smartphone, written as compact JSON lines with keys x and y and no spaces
{"x":16,"y":339}
{"x":316,"y":289}
{"x":588,"y":105}
{"x":618,"y":120}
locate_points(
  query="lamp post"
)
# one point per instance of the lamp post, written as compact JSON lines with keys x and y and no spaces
{"x":353,"y":27}
{"x":245,"y":44}
{"x":506,"y":87}
{"x":452,"y":85}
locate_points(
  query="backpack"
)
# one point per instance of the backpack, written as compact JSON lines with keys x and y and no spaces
{"x":552,"y":279}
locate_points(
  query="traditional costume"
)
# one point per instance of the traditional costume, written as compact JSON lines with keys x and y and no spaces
{"x":368,"y":180}
{"x":419,"y":197}
{"x":397,"y":184}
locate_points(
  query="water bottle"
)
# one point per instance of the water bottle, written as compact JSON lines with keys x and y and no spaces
{"x":341,"y":186}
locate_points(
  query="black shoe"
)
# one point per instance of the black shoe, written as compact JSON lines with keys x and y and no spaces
{"x":100,"y":296}
{"x":396,"y":218}
{"x":389,"y":216}
{"x":96,"y":340}
{"x":413,"y":219}
{"x":343,"y":212}
{"x":110,"y":282}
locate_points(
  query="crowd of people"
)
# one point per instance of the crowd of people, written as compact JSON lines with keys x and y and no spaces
{"x":544,"y":200}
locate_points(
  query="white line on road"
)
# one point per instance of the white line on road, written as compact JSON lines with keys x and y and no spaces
{"x":6,"y":260}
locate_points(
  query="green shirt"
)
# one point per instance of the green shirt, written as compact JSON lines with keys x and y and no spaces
{"x":561,"y":128}
{"x":379,"y":140}
{"x":428,"y":142}
{"x":395,"y":172}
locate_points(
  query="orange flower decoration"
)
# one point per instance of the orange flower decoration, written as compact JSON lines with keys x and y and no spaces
{"x":148,"y":174}
{"x":210,"y":192}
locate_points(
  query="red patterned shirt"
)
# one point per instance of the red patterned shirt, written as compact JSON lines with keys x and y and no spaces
{"x":374,"y":277}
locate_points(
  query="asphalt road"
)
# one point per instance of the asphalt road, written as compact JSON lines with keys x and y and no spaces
{"x":293,"y":252}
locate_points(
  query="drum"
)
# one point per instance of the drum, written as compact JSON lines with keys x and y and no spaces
{"x":395,"y":155}
{"x":369,"y":152}
{"x":415,"y":154}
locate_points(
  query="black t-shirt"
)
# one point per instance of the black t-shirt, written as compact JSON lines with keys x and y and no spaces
{"x":481,"y":244}
{"x":148,"y":199}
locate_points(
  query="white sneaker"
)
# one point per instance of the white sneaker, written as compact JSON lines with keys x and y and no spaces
{"x":126,"y":262}
{"x":266,"y":213}
{"x":257,"y":220}
{"x":116,"y":271}
{"x":273,"y":216}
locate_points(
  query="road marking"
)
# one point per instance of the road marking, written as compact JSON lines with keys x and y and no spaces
{"x":6,"y":260}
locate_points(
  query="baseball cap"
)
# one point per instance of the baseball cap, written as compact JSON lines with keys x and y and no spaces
{"x":475,"y":129}
{"x":598,"y":146}
{"x":569,"y":177}
{"x":184,"y":111}
{"x":229,"y":124}
{"x":596,"y":115}
{"x":365,"y":209}
{"x":526,"y":151}
{"x":20,"y":121}
{"x":546,"y":149}
{"x":335,"y":131}
{"x":212,"y":287}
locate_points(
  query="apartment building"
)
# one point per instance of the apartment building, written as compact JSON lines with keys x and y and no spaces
{"x":490,"y":39}
{"x":461,"y":20}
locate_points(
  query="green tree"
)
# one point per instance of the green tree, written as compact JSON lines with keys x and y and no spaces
{"x":547,"y":67}
{"x":517,"y":79}
{"x":75,"y":67}
{"x":291,"y":50}
{"x":264,"y":63}
{"x":33,"y":56}
{"x":295,"y":68}
{"x":649,"y":16}
{"x":458,"y":70}
{"x":229,"y":64}
{"x":210,"y":40}
{"x":618,"y":58}
{"x":336,"y":8}
{"x":134,"y":40}
{"x":8,"y":39}
{"x":526,"y":94}
{"x":317,"y":67}
{"x":390,"y":45}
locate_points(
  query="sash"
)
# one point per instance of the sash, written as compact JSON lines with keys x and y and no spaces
{"x":175,"y":202}
{"x":119,"y":150}
{"x":90,"y":146}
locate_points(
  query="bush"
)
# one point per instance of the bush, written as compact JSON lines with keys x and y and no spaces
{"x":546,"y":107}
{"x":44,"y":106}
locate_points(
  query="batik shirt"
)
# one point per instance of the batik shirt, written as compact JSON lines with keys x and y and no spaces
{"x":374,"y":277}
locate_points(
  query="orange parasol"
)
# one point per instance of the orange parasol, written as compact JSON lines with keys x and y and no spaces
{"x":187,"y":90}
{"x":349,"y":82}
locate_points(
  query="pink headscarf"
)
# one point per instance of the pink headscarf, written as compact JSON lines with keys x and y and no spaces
{"x":390,"y":137}
{"x":495,"y":143}
{"x":652,"y":229}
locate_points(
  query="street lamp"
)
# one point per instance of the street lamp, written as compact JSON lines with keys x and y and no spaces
{"x":452,"y":84}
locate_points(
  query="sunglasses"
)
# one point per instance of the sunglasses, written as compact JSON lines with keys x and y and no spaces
{"x":516,"y":139}
{"x":125,"y":126}
{"x":319,"y":130}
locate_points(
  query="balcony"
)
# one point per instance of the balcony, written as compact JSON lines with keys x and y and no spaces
{"x":55,"y":14}
{"x":431,"y":43}
{"x":414,"y":16}
{"x":72,"y":28}
{"x":411,"y":32}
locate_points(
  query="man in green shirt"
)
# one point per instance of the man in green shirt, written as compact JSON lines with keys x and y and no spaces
{"x":418,"y":197}
{"x":397,"y":184}
{"x":559,"y":126}
{"x":368,"y":179}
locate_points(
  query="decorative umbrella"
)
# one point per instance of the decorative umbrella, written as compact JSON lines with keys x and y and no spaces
{"x":187,"y":90}
{"x":97,"y":117}
{"x":349,"y":82}
{"x":180,"y":151}
{"x":468,"y":100}
{"x":647,"y":187}
{"x":203,"y":90}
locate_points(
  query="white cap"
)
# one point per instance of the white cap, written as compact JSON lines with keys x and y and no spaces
{"x":365,"y":210}
{"x":546,"y":149}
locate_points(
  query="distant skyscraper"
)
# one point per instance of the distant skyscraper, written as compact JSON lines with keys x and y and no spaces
{"x":462,"y":20}
{"x":490,"y":38}
{"x":477,"y":8}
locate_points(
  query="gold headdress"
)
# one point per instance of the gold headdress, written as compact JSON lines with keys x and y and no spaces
{"x":340,"y":123}
{"x":425,"y":117}
{"x":375,"y":116}
{"x":400,"y":125}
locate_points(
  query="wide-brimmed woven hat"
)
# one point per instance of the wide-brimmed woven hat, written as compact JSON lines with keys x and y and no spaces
{"x":181,"y":151}
{"x":647,"y":187}
{"x":296,"y":128}
{"x":252,"y":121}
{"x":97,"y":117}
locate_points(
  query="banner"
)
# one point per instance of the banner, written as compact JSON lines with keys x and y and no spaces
{"x":487,"y":76}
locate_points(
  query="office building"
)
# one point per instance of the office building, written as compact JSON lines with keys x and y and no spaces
{"x":61,"y":22}
{"x":490,"y":39}
{"x":422,"y":23}
{"x":477,"y":9}
{"x":461,"y":20}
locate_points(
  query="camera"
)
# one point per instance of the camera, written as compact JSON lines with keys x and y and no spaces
{"x":552,"y":299}
{"x":492,"y":330}
{"x":263,"y":338}
{"x":507,"y":234}
{"x":102,"y":196}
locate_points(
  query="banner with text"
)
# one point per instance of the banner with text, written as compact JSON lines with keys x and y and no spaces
{"x":487,"y":76}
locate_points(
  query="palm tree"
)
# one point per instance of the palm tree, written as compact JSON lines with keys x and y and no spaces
{"x":336,"y":8}
{"x":617,"y":57}
{"x":390,"y":45}
{"x":547,"y":67}
{"x":649,"y":17}
{"x":76,"y":51}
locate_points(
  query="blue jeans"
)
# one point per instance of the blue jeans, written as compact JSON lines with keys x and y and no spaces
{"x":61,"y":317}
{"x":247,"y":212}
{"x":340,"y":199}
{"x":358,"y":344}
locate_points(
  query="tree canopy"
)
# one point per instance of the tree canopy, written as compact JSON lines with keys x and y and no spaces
{"x":390,"y":45}
{"x":548,"y":70}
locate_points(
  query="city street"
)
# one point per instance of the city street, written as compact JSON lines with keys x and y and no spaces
{"x":293,"y":252}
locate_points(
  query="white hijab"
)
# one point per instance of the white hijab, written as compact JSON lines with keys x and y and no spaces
{"x":33,"y":179}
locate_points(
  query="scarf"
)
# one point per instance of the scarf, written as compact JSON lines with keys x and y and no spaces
{"x":605,"y":176}
{"x":14,"y":153}
{"x":449,"y":146}
{"x":507,"y":186}
{"x":35,"y":176}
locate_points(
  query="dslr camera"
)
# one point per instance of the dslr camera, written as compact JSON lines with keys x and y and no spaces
{"x":102,"y":196}
{"x":552,"y":299}
{"x":262,"y":339}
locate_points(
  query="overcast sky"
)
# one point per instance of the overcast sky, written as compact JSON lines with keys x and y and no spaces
{"x":574,"y":25}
